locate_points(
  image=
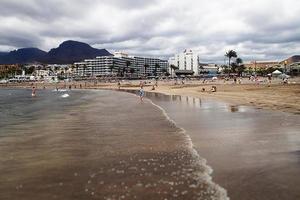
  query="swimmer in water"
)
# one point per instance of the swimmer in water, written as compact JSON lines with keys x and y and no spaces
{"x":33,"y":92}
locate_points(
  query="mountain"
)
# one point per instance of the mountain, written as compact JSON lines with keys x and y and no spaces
{"x":3,"y":53}
{"x":24,"y":55}
{"x":73,"y":51}
{"x":292,"y":59}
{"x":68,"y":52}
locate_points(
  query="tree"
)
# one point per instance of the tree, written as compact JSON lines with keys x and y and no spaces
{"x":157,"y":66}
{"x":146,"y":66}
{"x":111,"y":69}
{"x":173,"y":67}
{"x":128,"y":64}
{"x":234,"y":67}
{"x":131,"y":70}
{"x":230,"y":54}
{"x":240,"y":67}
{"x":84,"y":68}
{"x":29,"y":70}
{"x":164,"y":71}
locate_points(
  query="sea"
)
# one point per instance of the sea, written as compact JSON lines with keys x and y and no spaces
{"x":97,"y":144}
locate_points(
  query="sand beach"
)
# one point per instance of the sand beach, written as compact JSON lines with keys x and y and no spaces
{"x":229,"y":129}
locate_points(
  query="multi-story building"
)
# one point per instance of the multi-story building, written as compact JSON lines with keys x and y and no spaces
{"x":121,"y":64}
{"x":261,"y":65}
{"x":186,"y":61}
{"x":150,"y":66}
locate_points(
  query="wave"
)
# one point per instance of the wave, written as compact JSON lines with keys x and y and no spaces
{"x":215,"y":191}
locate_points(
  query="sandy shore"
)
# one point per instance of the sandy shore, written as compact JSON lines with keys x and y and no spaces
{"x":89,"y":147}
{"x":275,"y":96}
{"x":244,"y":163}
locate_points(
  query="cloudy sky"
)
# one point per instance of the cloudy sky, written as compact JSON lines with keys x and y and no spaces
{"x":256,"y":29}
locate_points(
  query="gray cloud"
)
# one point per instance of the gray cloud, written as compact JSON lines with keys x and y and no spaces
{"x":257,"y":29}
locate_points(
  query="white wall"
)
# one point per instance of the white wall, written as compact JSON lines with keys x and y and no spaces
{"x":188,"y":60}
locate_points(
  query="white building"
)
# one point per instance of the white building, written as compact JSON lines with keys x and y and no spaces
{"x":121,"y":64}
{"x":186,"y":61}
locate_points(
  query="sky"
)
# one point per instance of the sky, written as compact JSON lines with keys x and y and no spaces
{"x":255,"y":29}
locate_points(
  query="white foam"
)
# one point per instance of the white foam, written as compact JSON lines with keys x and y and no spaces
{"x":202,"y":176}
{"x":65,"y":96}
{"x":59,"y":90}
{"x":205,"y":176}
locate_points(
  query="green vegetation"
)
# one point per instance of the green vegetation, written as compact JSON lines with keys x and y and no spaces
{"x":236,"y":66}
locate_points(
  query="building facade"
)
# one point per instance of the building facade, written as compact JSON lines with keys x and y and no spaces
{"x":209,"y":68}
{"x":151,"y":66}
{"x":186,"y":61}
{"x":261,"y":65}
{"x":121,"y":64}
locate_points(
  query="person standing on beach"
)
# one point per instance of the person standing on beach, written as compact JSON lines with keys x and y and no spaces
{"x":141,"y":93}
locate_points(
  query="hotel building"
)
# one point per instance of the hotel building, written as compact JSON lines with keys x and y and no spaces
{"x":121,"y":63}
{"x":187,"y":61}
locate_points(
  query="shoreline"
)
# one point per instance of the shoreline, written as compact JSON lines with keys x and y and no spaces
{"x":243,"y":147}
{"x":131,"y":160}
{"x":249,"y":160}
{"x":276,"y":96}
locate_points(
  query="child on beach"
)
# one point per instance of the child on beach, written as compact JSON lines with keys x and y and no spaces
{"x":141,"y":93}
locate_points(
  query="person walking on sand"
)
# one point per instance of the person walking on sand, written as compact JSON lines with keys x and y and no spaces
{"x":141,"y":93}
{"x":119,"y":85}
{"x":33,"y":93}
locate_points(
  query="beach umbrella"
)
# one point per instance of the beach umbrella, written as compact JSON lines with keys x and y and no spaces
{"x":276,"y":72}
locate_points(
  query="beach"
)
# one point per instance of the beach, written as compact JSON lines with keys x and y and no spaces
{"x":96,"y":145}
{"x":274,"y":96}
{"x":247,"y":133}
{"x":254,"y":152}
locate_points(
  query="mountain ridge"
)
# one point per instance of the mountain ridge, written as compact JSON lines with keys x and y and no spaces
{"x":67,"y":52}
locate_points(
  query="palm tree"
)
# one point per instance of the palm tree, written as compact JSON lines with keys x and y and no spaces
{"x":146,"y":66}
{"x":164,"y":71}
{"x":119,"y":71}
{"x":240,"y":66}
{"x":238,"y":61}
{"x":230,"y":54}
{"x":173,"y":67}
{"x":132,"y":70}
{"x":72,"y":70}
{"x":128,"y":64}
{"x":111,"y":69}
{"x":155,"y":69}
{"x":84,"y":68}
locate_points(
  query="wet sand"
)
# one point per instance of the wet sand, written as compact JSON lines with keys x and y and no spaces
{"x":254,"y":153}
{"x":274,"y":96}
{"x":106,"y":146}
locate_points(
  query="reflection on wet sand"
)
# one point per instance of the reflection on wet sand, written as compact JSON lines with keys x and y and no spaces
{"x":234,"y":109}
{"x":106,"y":145}
{"x":252,"y":151}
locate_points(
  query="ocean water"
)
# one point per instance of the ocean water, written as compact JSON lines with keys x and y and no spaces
{"x":255,"y":153}
{"x":96,"y":145}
